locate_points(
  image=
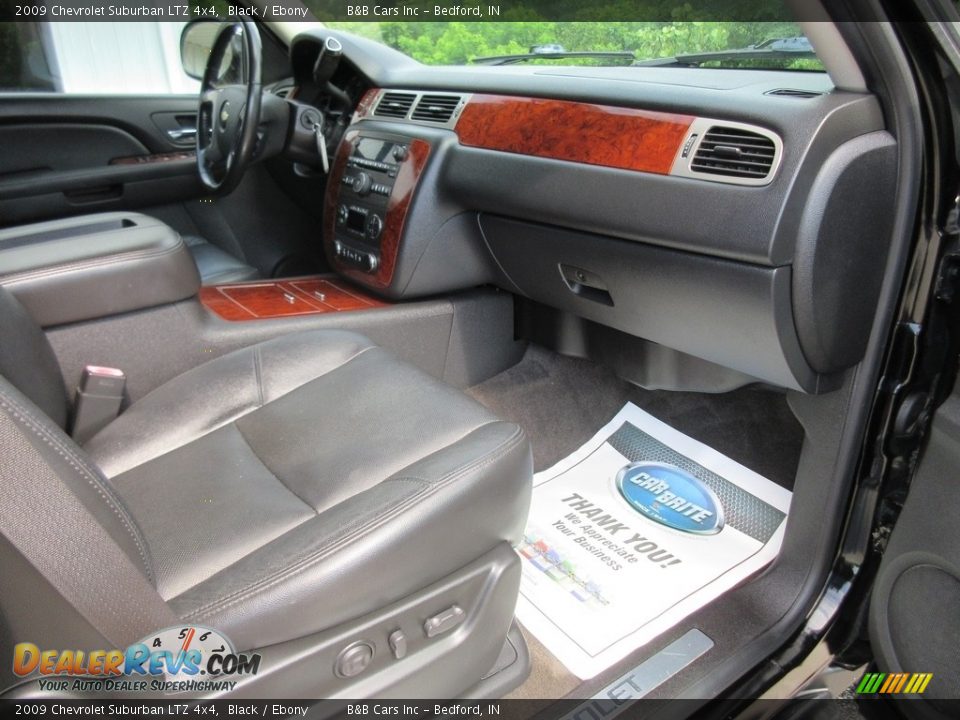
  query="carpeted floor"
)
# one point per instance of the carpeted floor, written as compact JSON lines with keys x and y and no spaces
{"x":561,"y":402}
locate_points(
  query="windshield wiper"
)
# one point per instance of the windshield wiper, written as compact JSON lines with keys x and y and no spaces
{"x":697,"y":59}
{"x":624,"y":56}
{"x":775,"y":49}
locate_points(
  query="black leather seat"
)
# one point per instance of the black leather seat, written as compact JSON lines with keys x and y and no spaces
{"x":284,"y":490}
{"x":217,"y":266}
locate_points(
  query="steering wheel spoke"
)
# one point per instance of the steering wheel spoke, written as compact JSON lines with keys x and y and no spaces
{"x":229,"y":112}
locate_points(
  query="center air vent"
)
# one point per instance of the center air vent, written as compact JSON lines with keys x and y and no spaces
{"x":394,"y":105}
{"x":436,"y":108}
{"x":735,"y":153}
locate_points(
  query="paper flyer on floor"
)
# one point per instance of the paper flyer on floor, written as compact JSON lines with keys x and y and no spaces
{"x":634,"y":531}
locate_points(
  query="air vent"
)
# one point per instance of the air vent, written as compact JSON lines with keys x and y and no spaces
{"x":793,"y":93}
{"x":734,"y":152}
{"x":436,"y":108}
{"x":394,"y":105}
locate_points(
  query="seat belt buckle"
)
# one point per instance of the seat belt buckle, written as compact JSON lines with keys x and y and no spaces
{"x":99,"y":396}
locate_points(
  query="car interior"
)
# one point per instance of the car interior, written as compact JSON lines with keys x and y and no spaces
{"x":300,"y":394}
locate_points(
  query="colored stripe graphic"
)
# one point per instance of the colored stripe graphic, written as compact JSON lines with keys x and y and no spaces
{"x":891,"y":680}
{"x":864,"y":683}
{"x":893,"y":683}
{"x":901,"y":682}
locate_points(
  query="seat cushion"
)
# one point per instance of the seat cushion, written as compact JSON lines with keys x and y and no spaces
{"x":305,"y":481}
{"x":215,"y":265}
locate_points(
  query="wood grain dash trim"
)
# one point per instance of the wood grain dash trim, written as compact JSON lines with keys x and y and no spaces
{"x":365,"y":106}
{"x":397,"y":206}
{"x":604,"y":135}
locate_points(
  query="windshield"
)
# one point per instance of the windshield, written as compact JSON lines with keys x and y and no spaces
{"x":764,"y":45}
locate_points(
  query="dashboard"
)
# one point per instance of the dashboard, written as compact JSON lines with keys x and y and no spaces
{"x":714,"y":213}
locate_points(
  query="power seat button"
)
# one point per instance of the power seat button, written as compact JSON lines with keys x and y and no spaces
{"x":354,"y":659}
{"x":443,"y":621}
{"x":398,"y":644}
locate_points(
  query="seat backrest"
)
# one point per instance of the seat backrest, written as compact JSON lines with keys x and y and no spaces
{"x":43,"y":469}
{"x":27,"y":360}
{"x":69,"y":548}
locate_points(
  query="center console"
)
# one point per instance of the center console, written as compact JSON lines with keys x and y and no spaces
{"x":371,"y":185}
{"x":94,"y":266}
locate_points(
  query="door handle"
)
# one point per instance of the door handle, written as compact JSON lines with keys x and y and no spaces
{"x":182,"y":133}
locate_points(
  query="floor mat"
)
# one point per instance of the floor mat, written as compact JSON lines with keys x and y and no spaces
{"x":632,"y":532}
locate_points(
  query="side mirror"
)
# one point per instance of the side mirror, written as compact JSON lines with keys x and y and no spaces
{"x":196,"y":42}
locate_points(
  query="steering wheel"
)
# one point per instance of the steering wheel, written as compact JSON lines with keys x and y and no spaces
{"x":229,"y":110}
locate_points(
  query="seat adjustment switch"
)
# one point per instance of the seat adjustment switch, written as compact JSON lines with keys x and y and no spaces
{"x":398,"y":644}
{"x":443,"y":621}
{"x":354,"y":659}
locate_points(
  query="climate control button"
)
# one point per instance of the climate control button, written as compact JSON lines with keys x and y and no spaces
{"x":374,"y":226}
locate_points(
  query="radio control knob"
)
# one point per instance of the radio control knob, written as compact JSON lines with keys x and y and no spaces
{"x":400,"y":153}
{"x":342,"y":214}
{"x":374,"y":227}
{"x":362,"y":184}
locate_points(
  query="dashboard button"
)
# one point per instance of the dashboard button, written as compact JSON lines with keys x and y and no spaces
{"x":374,"y":226}
{"x":362,"y":183}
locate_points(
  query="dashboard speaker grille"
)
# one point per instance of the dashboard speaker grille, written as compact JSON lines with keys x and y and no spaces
{"x":734,"y":152}
{"x":436,"y":108}
{"x":794,"y":93}
{"x":394,"y":105}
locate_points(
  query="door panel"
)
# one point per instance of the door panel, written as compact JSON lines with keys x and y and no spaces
{"x":66,"y":155}
{"x":914,"y":618}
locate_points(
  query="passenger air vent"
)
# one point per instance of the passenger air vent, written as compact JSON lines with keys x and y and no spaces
{"x":793,"y":93}
{"x":436,"y":108}
{"x":394,"y":105}
{"x":734,"y":152}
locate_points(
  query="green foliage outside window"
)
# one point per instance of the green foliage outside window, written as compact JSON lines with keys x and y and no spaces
{"x":647,"y":28}
{"x":456,"y":43}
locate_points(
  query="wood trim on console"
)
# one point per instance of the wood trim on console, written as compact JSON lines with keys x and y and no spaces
{"x":616,"y":137}
{"x":365,"y":106}
{"x":262,"y":299}
{"x":397,"y":206}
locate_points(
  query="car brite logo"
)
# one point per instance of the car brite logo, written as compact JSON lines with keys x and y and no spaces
{"x":671,"y":496}
{"x":176,"y":659}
